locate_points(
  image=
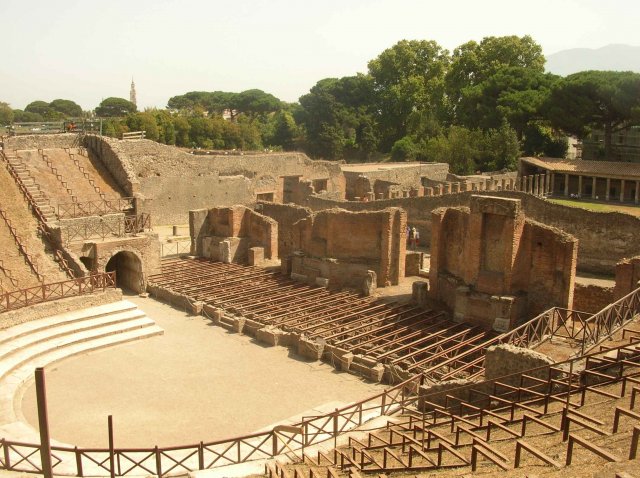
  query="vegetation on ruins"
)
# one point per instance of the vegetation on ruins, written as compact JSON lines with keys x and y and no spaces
{"x":477,"y":108}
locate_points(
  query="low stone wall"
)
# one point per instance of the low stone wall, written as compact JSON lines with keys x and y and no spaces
{"x":110,"y":152}
{"x":48,"y":309}
{"x":41,"y":141}
{"x":591,"y":298}
{"x":503,"y":360}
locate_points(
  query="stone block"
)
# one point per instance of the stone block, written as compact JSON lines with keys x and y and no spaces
{"x":435,"y":393}
{"x":420,"y":292}
{"x":214,"y":313}
{"x":298,"y":277}
{"x":413,"y":263}
{"x":270,"y":335}
{"x":310,"y":349}
{"x":237,"y":324}
{"x":322,"y":282}
{"x":369,"y":283}
{"x":256,"y":256}
{"x":375,"y":373}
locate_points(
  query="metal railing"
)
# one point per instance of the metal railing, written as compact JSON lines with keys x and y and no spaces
{"x":130,"y":225}
{"x":94,"y":208}
{"x":56,"y":290}
{"x":176,"y":248}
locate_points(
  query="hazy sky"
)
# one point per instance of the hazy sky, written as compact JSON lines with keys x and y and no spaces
{"x":87,"y":50}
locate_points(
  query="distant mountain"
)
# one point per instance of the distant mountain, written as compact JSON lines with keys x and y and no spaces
{"x":610,"y":57}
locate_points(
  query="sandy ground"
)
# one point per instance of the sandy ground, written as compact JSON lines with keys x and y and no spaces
{"x":197,"y":382}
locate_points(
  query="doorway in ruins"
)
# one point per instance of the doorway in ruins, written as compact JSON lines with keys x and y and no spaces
{"x":128,"y":269}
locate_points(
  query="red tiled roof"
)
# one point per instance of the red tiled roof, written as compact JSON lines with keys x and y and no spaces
{"x":593,"y":168}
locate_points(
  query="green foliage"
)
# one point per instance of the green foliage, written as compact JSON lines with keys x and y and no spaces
{"x":115,"y":108}
{"x":6,"y":114}
{"x":408,"y":81}
{"x":469,"y":151}
{"x":283,"y":131}
{"x":143,"y":122}
{"x":540,"y":140}
{"x":338,"y":118}
{"x":43,"y":109}
{"x":20,"y":116}
{"x":67,"y":108}
{"x":604,"y":100}
{"x":405,"y":149}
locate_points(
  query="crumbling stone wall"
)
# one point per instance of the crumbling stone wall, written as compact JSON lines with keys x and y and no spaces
{"x":227,"y":233}
{"x":491,"y":266}
{"x":627,"y":277}
{"x":112,"y":154}
{"x":370,"y":177}
{"x":502,"y":360}
{"x":591,"y":298}
{"x":605,"y":237}
{"x":365,"y":241}
{"x":286,"y":215}
{"x":169,"y":181}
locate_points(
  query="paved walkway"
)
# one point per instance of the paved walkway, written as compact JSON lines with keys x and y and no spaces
{"x":196,"y":382}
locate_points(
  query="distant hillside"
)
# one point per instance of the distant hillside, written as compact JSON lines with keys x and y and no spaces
{"x":610,"y":57}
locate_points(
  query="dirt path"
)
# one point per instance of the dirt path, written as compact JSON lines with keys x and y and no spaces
{"x":197,"y":382}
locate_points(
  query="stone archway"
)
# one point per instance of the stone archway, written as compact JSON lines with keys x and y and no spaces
{"x":128,"y":269}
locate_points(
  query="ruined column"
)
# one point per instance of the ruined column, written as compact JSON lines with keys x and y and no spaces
{"x":594,"y":183}
{"x":622,"y":190}
{"x":552,"y":184}
{"x":580,"y":186}
{"x":637,"y":199}
{"x":566,"y":185}
{"x":606,"y":195}
{"x":536,"y":184}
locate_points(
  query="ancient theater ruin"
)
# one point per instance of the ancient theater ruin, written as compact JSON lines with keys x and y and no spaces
{"x":506,"y":336}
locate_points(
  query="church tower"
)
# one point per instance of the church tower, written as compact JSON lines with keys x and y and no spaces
{"x":132,"y":93}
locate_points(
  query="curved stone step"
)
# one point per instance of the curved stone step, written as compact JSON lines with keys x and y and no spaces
{"x":25,"y":328}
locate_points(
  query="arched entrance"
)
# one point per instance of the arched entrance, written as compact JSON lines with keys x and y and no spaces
{"x":128,"y":269}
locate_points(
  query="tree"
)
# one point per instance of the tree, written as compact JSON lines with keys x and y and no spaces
{"x":601,"y":100}
{"x":115,"y":107}
{"x":6,"y":114}
{"x":67,"y":108}
{"x":498,"y":78}
{"x":20,"y":116}
{"x":143,"y":122}
{"x":408,"y":83}
{"x":284,"y":131}
{"x":43,"y":109}
{"x":255,"y":102}
{"x":338,"y":117}
{"x":404,"y":149}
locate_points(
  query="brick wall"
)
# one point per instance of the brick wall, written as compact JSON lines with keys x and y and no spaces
{"x":286,"y":215}
{"x":488,"y":262}
{"x":375,"y":240}
{"x":605,"y":238}
{"x":250,"y":228}
{"x":591,"y":298}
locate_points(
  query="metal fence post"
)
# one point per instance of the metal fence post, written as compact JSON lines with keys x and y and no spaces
{"x":112,"y":466}
{"x":43,"y":422}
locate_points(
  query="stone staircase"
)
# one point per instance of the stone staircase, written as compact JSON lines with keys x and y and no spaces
{"x":39,"y":197}
{"x":46,"y":341}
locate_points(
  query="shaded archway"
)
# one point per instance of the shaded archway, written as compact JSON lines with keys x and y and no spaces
{"x":128,"y":269}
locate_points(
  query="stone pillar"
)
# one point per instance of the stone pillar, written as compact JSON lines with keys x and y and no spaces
{"x":536,"y":185}
{"x":594,"y":184}
{"x":552,"y":184}
{"x":530,"y":184}
{"x":637,"y":199}
{"x":606,"y":195}
{"x":580,"y":186}
{"x":566,"y":185}
{"x":622,"y":190}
